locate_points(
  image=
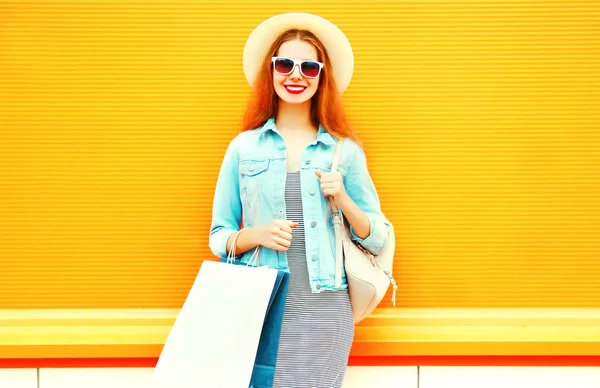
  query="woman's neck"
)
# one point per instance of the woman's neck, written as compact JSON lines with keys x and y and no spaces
{"x":294,"y":116}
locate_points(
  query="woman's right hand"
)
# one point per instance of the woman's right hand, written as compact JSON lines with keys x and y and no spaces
{"x":276,"y":235}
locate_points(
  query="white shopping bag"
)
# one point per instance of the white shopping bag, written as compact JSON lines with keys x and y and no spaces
{"x":215,"y":337}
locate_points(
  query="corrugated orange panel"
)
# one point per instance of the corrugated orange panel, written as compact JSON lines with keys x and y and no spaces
{"x":480,"y":119}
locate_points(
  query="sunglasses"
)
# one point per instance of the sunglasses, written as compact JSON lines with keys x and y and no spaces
{"x":285,"y":66}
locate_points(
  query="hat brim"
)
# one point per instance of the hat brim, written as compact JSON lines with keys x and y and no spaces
{"x":334,"y":40}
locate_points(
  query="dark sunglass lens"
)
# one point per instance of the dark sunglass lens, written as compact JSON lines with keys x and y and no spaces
{"x":283,"y":65}
{"x":310,"y":69}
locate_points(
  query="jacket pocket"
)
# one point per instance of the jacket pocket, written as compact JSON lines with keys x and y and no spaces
{"x":251,"y":168}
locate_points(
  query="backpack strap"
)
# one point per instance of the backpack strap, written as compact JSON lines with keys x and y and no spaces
{"x":337,"y":221}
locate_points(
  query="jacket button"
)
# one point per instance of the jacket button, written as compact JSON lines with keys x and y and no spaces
{"x":311,"y":192}
{"x":313,"y":224}
{"x":314,"y":257}
{"x":307,"y":162}
{"x":318,"y":286}
{"x":251,"y":168}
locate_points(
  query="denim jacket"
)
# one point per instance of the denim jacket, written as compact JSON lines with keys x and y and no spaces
{"x":250,"y":190}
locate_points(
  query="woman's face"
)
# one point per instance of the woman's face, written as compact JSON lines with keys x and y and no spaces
{"x":294,"y":88}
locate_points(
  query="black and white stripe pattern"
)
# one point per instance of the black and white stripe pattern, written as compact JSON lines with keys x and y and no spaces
{"x":318,"y":329}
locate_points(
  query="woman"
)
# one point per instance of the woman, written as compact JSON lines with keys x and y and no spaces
{"x":275,"y":180}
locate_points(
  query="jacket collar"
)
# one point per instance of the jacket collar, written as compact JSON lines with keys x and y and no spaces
{"x":322,"y":135}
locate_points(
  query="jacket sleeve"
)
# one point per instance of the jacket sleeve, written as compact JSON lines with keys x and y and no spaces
{"x":227,"y":206}
{"x":360,"y":188}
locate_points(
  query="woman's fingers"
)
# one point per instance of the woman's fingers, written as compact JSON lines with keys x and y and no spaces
{"x":278,"y":247}
{"x":287,"y":226}
{"x":283,"y":241}
{"x":281,"y":234}
{"x":332,"y":185}
{"x":285,"y":235}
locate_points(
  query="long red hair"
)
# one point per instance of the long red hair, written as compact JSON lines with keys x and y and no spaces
{"x":326,"y":106}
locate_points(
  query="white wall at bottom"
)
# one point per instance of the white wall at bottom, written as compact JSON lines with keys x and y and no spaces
{"x":18,"y":378}
{"x":356,"y":377}
{"x":381,"y":377}
{"x":513,"y":377}
{"x":95,"y":377}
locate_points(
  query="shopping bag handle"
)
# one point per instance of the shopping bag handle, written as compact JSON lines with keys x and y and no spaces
{"x":231,"y":253}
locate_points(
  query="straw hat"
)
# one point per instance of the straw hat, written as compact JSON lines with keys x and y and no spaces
{"x":336,"y":43}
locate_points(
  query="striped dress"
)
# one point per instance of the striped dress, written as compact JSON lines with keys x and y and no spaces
{"x":317,"y":329}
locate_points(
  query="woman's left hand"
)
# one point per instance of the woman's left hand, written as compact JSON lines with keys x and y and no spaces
{"x":332,"y":184}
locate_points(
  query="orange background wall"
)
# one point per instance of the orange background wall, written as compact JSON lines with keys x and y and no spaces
{"x":480,"y":122}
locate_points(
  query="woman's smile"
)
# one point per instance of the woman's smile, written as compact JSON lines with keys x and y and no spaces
{"x":295,"y":89}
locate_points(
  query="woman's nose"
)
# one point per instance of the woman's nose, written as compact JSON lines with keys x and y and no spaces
{"x":296,"y":72}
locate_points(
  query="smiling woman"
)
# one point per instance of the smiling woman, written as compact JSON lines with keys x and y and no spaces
{"x":293,"y":123}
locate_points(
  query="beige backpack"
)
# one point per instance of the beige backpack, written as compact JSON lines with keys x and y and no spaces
{"x":368,"y":276}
